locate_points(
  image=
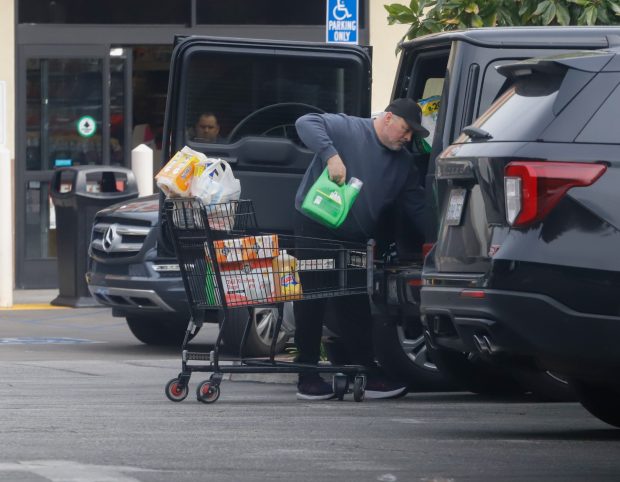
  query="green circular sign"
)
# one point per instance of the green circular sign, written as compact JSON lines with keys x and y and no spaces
{"x":86,"y":126}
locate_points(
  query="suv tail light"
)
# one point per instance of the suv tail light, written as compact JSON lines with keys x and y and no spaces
{"x":533,"y":188}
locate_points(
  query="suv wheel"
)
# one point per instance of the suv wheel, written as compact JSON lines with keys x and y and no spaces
{"x":400,"y":349}
{"x":602,"y":401}
{"x":262,"y":325}
{"x":157,"y":330}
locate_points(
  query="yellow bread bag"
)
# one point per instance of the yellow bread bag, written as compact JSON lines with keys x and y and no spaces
{"x":175,"y":178}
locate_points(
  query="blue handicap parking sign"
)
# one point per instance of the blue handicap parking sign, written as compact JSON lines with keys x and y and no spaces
{"x":342,"y":24}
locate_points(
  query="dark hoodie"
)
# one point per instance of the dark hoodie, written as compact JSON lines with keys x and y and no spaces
{"x":387,"y":175}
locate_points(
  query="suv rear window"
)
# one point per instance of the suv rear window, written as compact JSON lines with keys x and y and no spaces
{"x":263,"y":94}
{"x":526,"y":109}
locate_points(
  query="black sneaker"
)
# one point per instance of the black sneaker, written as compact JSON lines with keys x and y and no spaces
{"x":377,"y":387}
{"x":313,"y":387}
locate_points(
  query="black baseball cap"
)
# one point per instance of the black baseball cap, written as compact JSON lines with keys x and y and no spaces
{"x":410,"y":111}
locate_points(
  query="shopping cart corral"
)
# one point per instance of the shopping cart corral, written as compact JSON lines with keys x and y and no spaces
{"x":227,"y":262}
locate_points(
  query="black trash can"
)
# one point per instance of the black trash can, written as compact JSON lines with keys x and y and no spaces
{"x":78,"y":193}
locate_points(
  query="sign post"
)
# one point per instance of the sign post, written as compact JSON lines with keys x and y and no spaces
{"x":342,"y":21}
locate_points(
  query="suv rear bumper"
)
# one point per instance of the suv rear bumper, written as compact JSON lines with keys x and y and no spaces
{"x":501,"y":323}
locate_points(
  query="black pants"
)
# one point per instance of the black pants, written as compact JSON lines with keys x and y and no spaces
{"x":352,"y":312}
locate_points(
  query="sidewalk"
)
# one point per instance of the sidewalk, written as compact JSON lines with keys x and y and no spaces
{"x":28,"y":297}
{"x":34,"y":300}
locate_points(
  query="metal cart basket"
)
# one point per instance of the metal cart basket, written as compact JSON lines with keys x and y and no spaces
{"x":227,"y":262}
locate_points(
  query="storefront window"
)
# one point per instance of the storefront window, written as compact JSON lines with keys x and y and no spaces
{"x":117,"y":107}
{"x":151,"y":66}
{"x":40,"y":222}
{"x":109,"y":12}
{"x":260,"y":12}
{"x":64,"y":113}
{"x":166,"y":12}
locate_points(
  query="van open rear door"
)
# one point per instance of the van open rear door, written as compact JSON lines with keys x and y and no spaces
{"x":238,"y":99}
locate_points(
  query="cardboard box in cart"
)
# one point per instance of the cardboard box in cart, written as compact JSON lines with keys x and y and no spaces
{"x":246,"y":269}
{"x":248,"y":282}
{"x":246,"y":248}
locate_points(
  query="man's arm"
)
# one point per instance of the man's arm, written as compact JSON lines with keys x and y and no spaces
{"x":313,"y":131}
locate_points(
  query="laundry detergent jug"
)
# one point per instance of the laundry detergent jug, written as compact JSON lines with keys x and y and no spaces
{"x":328,"y":203}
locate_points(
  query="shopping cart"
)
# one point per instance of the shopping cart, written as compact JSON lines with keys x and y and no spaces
{"x":227,"y":262}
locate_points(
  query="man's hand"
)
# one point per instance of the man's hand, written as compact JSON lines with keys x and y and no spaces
{"x":336,"y":169}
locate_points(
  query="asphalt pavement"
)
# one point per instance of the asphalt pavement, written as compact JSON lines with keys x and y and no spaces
{"x":33,"y":329}
{"x":82,"y":401}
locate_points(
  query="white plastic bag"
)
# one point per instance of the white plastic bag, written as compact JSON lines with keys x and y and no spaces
{"x":219,"y":190}
{"x":216,"y":183}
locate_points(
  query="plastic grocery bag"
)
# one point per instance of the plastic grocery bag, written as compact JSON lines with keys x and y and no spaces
{"x":430,"y":110}
{"x":216,"y":183}
{"x":175,"y":178}
{"x":219,"y":190}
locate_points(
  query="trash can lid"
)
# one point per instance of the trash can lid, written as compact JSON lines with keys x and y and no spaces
{"x":94,"y":181}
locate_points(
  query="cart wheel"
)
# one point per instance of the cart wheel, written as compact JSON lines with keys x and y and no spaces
{"x":176,"y":391}
{"x":207,"y":392}
{"x":340,"y":384}
{"x":359,"y":388}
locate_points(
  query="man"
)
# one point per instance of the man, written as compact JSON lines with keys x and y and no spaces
{"x":207,"y":128}
{"x":371,"y":150}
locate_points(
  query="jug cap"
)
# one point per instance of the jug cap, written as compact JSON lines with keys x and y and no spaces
{"x":355,"y":183}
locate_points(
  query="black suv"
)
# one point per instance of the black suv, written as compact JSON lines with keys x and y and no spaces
{"x":525,"y":269}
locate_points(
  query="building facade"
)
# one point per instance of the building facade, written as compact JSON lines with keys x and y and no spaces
{"x":107,"y":62}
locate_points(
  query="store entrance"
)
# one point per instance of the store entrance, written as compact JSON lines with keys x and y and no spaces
{"x":77,"y":106}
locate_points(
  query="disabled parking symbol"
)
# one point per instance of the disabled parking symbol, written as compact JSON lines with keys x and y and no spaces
{"x":342,"y":21}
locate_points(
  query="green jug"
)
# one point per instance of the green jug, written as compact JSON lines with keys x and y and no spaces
{"x":328,"y":203}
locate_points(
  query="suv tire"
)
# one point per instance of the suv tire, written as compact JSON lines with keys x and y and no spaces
{"x":602,"y":401}
{"x":400,"y":349}
{"x":262,"y":323}
{"x":157,"y":330}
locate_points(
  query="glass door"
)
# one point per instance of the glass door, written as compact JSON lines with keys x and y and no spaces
{"x":64,"y":119}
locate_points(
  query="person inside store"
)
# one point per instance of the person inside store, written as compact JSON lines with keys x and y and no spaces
{"x":207,"y":128}
{"x":374,"y":151}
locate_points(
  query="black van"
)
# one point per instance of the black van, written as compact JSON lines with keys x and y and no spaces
{"x":257,"y":88}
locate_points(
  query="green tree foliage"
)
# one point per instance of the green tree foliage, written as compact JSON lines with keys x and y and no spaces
{"x":429,"y":16}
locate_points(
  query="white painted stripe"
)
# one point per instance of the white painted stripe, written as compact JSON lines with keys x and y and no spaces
{"x":70,"y":471}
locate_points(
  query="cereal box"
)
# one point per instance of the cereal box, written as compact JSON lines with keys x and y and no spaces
{"x":246,"y":248}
